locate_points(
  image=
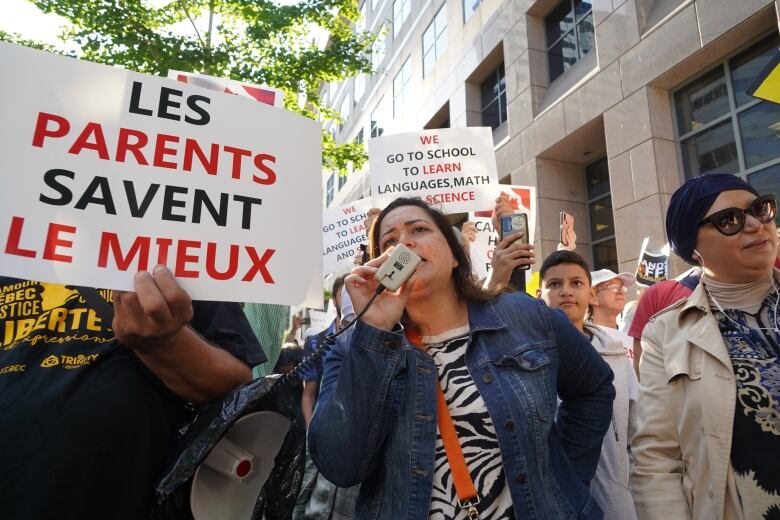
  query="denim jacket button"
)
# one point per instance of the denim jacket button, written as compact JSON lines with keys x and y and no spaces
{"x":509,"y":425}
{"x":488,"y":378}
{"x":520,"y":478}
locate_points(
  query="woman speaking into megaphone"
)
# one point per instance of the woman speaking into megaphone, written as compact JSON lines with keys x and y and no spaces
{"x":442,"y":401}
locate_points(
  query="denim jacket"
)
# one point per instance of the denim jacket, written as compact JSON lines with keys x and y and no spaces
{"x":375,"y":422}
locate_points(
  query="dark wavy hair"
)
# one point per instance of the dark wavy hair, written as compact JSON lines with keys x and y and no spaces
{"x":466,"y":285}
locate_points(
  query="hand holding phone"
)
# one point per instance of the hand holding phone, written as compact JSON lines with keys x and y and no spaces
{"x":516,"y":223}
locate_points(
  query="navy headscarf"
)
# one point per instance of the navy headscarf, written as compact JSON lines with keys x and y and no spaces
{"x":690,"y":204}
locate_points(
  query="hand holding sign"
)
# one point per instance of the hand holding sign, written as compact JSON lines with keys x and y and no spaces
{"x":157,"y":310}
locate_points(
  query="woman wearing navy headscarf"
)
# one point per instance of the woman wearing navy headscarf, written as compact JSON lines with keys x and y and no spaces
{"x":708,"y":436}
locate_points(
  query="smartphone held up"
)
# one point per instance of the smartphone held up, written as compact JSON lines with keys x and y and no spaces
{"x":516,"y":223}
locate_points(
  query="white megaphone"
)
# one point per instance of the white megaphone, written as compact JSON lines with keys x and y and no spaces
{"x":227,"y":484}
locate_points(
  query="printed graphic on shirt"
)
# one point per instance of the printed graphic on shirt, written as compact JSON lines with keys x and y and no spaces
{"x":754,"y":357}
{"x":477,"y":437}
{"x":47,"y":318}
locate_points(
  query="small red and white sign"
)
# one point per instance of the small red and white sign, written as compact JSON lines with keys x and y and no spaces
{"x":263,"y":94}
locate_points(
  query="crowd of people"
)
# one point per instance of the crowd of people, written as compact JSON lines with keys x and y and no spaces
{"x":450,"y":398}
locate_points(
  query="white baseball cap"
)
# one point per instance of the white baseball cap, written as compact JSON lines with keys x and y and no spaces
{"x":604,"y":275}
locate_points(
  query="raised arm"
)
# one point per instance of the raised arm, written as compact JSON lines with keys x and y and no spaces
{"x":153,"y":322}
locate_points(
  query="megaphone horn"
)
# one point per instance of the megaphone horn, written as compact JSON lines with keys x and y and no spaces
{"x":226,"y":486}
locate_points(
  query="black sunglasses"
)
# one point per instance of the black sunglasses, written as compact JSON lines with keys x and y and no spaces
{"x":730,"y":221}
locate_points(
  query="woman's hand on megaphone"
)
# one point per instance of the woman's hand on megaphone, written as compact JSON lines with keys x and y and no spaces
{"x":388,"y":307}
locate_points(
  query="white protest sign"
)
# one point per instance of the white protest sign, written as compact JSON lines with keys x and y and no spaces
{"x":321,"y":320}
{"x":453,"y":168}
{"x":261,"y":93}
{"x":105,"y":172}
{"x":342,"y":232}
{"x":523,"y":200}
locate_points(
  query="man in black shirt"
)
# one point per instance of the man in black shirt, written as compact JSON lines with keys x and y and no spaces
{"x":88,"y":409}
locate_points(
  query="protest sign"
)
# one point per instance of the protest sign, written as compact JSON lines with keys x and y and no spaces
{"x":342,"y":232}
{"x":105,"y":172}
{"x":263,"y":94}
{"x":523,"y":200}
{"x":451,"y":168}
{"x":321,"y":320}
{"x":652,"y":267}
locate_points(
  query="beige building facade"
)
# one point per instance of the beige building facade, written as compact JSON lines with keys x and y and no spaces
{"x":606,"y":106}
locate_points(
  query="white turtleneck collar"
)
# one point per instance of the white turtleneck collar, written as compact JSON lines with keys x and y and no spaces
{"x":743,"y":296}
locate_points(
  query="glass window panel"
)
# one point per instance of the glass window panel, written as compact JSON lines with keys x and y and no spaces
{"x":502,"y":107}
{"x":760,"y":129}
{"x":491,"y":116}
{"x":562,"y":56}
{"x":360,"y":87}
{"x":597,"y":178}
{"x":605,"y":256}
{"x":582,"y":7}
{"x":767,"y":181}
{"x":441,"y":19}
{"x":559,"y":22}
{"x":501,"y":78}
{"x":585,"y":36}
{"x":711,"y":151}
{"x":429,"y":60}
{"x":429,"y":38}
{"x":489,"y":90}
{"x":702,"y":101}
{"x":376,"y":119}
{"x":746,"y":67}
{"x":602,"y":224}
{"x":469,"y":8}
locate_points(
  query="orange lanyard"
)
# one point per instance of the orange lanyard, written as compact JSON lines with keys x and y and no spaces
{"x":468,"y":498}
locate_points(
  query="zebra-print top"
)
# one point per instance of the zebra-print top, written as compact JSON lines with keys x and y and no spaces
{"x":476,"y":434}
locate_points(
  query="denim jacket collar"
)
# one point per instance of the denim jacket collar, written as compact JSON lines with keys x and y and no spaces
{"x":483,"y":316}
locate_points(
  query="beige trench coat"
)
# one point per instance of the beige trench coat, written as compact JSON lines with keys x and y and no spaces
{"x":687,"y":397}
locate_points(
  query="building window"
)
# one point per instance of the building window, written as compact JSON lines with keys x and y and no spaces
{"x":342,"y":180}
{"x":600,"y":217}
{"x":435,"y":40}
{"x":360,"y":87}
{"x":401,"y":87}
{"x":378,"y":121}
{"x":569,"y":35}
{"x":344,"y":111}
{"x":469,"y":8}
{"x":724,"y":130}
{"x":329,"y":191}
{"x":378,"y":50}
{"x":359,"y":137}
{"x":493,"y":91}
{"x":401,"y":10}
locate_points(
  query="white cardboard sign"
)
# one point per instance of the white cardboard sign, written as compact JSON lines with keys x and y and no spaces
{"x":342,"y":232}
{"x":261,"y":93}
{"x":105,"y":172}
{"x":451,"y":168}
{"x":523,"y":200}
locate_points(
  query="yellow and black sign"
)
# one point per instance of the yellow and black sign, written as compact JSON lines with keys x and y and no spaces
{"x":767,"y":84}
